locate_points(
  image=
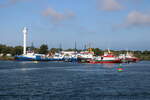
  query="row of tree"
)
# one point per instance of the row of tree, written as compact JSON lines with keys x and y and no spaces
{"x":18,"y":50}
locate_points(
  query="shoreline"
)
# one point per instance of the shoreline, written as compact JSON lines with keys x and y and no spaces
{"x":5,"y":58}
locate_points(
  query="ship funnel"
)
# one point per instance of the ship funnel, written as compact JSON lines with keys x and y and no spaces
{"x":25,"y":31}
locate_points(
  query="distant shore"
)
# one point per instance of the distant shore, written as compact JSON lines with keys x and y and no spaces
{"x":7,"y":58}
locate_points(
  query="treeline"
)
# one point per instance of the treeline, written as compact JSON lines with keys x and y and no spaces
{"x":10,"y":50}
{"x":18,"y":50}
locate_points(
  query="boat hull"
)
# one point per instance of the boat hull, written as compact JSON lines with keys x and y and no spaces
{"x":105,"y":61}
{"x":84,"y":60}
{"x":23,"y":58}
{"x":132,"y":59}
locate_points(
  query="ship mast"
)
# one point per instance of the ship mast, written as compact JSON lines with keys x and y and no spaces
{"x":25,"y":31}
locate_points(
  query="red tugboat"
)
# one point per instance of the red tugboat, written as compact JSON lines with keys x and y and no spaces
{"x":108,"y":57}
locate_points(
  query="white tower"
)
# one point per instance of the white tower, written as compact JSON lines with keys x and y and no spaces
{"x":25,"y":31}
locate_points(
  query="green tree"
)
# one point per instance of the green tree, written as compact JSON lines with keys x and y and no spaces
{"x":146,"y":52}
{"x":8,"y":50}
{"x":54,"y":50}
{"x":36,"y":50}
{"x":18,"y":50}
{"x":43,"y":49}
{"x":2,"y":48}
{"x":97,"y":51}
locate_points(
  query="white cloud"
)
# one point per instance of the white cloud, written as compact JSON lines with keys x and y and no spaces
{"x":109,"y":5}
{"x":136,"y":19}
{"x":57,"y":16}
{"x":10,"y":2}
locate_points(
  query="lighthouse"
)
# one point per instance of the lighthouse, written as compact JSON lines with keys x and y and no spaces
{"x":25,"y":31}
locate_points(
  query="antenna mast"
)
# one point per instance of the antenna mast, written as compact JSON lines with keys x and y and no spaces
{"x":25,"y":31}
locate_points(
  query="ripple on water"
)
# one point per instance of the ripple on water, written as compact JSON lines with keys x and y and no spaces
{"x":72,"y":81}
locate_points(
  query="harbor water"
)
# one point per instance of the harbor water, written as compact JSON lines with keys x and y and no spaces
{"x":74,"y":81}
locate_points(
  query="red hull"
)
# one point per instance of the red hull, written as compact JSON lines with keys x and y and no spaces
{"x":95,"y":62}
{"x":132,"y":59}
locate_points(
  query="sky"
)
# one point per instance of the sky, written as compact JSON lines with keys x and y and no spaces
{"x":114,"y":24}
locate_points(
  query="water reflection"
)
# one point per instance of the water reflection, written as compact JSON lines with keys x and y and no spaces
{"x":109,"y":65}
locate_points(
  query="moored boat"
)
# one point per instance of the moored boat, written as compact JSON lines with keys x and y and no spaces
{"x":85,"y":56}
{"x":128,"y":57}
{"x":108,"y":57}
{"x":31,"y":56}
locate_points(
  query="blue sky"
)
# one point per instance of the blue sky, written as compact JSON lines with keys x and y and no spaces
{"x":116,"y":24}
